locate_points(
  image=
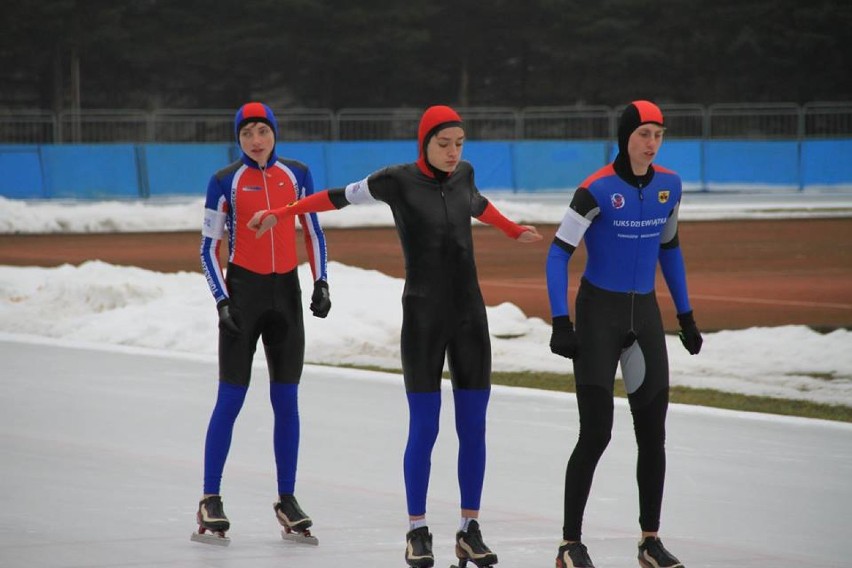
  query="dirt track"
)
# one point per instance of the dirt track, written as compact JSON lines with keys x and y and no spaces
{"x":741,"y":274}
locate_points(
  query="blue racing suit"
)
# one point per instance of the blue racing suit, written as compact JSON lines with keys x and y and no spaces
{"x":629,"y":224}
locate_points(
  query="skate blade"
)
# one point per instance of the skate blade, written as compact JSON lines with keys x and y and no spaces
{"x":300,"y":538}
{"x":464,"y":563}
{"x":210,"y":538}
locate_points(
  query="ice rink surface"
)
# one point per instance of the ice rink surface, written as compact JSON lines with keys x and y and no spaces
{"x":102,"y":464}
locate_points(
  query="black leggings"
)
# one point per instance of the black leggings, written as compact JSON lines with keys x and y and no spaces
{"x":595,"y":404}
{"x":431,"y":332}
{"x":267,"y":306}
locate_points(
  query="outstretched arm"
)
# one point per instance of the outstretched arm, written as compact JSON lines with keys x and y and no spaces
{"x":520,"y":233}
{"x":327,"y":200}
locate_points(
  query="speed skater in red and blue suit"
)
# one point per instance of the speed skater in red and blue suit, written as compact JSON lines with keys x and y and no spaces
{"x":258,"y":296}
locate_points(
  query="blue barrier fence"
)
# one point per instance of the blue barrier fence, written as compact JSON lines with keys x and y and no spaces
{"x":109,"y":171}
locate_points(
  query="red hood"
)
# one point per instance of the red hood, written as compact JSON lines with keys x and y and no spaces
{"x":435,"y":118}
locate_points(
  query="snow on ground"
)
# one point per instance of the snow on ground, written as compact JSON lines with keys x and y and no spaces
{"x":185,"y":213}
{"x":103,"y":304}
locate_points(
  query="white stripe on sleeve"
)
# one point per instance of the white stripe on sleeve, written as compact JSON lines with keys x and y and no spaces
{"x":572,"y":228}
{"x":214,"y":224}
{"x":359,"y":192}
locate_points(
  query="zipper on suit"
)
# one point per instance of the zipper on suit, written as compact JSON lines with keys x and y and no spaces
{"x":636,"y":255}
{"x":268,"y":206}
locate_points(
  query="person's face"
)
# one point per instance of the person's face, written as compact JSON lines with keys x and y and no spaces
{"x":257,"y":140}
{"x":643,"y":145}
{"x":445,"y":149}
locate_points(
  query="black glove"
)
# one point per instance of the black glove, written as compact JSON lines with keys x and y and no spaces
{"x":563,"y":340}
{"x":689,"y":334}
{"x":227,"y":321}
{"x":320,"y":299}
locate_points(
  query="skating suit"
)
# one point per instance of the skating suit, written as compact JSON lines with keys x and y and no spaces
{"x":443,"y":314}
{"x":262,"y":288}
{"x":627,"y":230}
{"x":262,"y":284}
{"x":629,"y":225}
{"x":443,"y":309}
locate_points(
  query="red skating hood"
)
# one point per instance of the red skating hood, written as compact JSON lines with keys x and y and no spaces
{"x":434,"y":119}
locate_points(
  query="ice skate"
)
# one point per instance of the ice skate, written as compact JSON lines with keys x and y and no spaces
{"x":294,"y":520}
{"x":573,"y":555}
{"x":418,"y":548}
{"x":652,"y":554}
{"x":212,"y":522}
{"x":469,"y":547}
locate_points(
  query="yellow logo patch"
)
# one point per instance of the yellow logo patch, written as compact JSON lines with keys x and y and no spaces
{"x":663,"y":196}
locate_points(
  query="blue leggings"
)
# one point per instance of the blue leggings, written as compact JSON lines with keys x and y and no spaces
{"x":424,"y":414}
{"x":229,"y":402}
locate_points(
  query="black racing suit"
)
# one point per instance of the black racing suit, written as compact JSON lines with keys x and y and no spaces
{"x":443,"y":316}
{"x":443,"y":309}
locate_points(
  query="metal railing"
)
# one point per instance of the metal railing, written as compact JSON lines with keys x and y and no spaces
{"x":560,"y":123}
{"x":720,"y":121}
{"x":377,"y":124}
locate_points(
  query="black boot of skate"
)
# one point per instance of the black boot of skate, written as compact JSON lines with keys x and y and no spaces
{"x":212,"y":522}
{"x":470,"y":547}
{"x":652,"y":554}
{"x":573,"y":555}
{"x":418,"y":548}
{"x":294,"y":520}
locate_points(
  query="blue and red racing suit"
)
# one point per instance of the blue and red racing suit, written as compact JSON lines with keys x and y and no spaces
{"x":262,"y":288}
{"x":234,"y":194}
{"x":629,"y":224}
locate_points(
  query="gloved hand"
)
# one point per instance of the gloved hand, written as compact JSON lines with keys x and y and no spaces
{"x":320,"y":299}
{"x":689,"y":334}
{"x":563,"y":340}
{"x":227,"y":321}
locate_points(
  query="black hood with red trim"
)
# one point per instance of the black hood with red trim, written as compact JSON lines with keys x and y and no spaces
{"x":634,"y":115}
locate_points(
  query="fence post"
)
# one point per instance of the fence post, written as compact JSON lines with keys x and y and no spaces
{"x":800,"y":142}
{"x":335,"y":126}
{"x":150,"y":135}
{"x":142,"y":171}
{"x":702,"y":156}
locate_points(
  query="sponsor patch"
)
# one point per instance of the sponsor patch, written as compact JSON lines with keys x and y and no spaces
{"x":617,"y":200}
{"x":252,"y":188}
